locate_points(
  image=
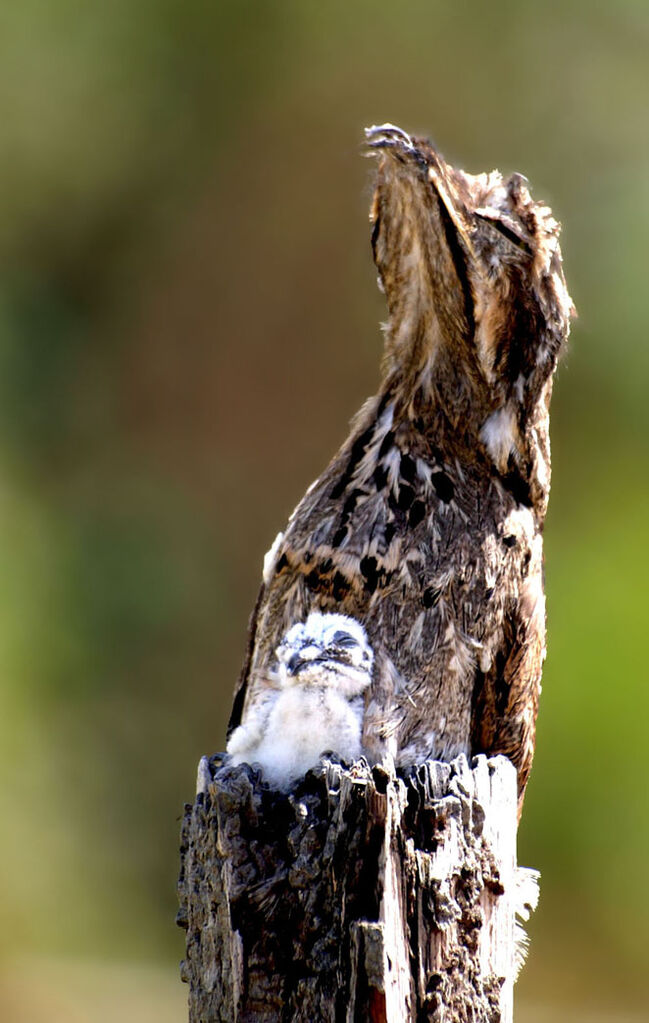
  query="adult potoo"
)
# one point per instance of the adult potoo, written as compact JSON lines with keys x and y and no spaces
{"x":426,"y":526}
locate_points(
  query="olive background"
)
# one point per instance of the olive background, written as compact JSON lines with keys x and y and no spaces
{"x":188,"y":320}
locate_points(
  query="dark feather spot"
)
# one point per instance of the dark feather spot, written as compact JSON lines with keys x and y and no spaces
{"x":340,"y":586}
{"x":489,"y":593}
{"x":389,"y":532}
{"x":417,"y":512}
{"x":313,"y":579}
{"x":406,"y":497}
{"x":383,"y":402}
{"x":386,"y":444}
{"x":355,"y":455}
{"x":350,"y":504}
{"x":339,"y":487}
{"x":360,"y":444}
{"x":393,"y":503}
{"x":443,"y":486}
{"x":282,"y":562}
{"x":430,"y":596}
{"x":370,"y":572}
{"x":509,"y":540}
{"x":514,"y":482}
{"x":339,"y":536}
{"x":325,"y":565}
{"x":408,"y":468}
{"x":525,"y":565}
{"x":380,"y":477}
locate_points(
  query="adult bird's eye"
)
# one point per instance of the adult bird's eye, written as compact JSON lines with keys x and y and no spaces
{"x":510,"y":235}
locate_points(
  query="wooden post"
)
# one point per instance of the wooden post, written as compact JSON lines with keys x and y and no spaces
{"x":360,"y":896}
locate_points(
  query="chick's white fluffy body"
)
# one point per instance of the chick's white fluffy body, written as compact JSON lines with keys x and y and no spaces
{"x":323,"y":667}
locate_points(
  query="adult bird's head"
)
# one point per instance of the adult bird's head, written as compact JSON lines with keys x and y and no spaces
{"x":478,"y":307}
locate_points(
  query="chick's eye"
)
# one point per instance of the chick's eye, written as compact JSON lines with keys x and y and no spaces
{"x":344,"y":639}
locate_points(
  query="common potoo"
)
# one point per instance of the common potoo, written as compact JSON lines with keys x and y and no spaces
{"x":426,"y":527}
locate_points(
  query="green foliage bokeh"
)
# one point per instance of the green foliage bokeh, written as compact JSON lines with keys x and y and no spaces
{"x":188,"y":319}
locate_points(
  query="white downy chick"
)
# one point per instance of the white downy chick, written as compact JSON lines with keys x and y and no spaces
{"x":324,"y":664}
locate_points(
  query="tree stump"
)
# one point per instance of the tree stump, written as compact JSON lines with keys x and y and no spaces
{"x":361,"y":895}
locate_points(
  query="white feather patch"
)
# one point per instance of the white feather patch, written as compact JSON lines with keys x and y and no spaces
{"x":270,"y":558}
{"x":498,"y":434}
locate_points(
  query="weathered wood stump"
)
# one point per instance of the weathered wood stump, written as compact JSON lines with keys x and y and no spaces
{"x":362,"y":895}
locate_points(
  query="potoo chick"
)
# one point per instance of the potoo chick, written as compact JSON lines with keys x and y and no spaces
{"x":426,"y":527}
{"x":312,"y":704}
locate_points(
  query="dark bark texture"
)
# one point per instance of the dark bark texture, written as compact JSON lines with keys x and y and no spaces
{"x":361,"y":895}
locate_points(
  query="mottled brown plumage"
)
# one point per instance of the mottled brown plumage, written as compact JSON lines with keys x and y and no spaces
{"x":427,"y":524}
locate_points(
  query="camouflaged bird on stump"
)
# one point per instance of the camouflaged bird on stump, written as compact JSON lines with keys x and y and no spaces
{"x":402,"y":616}
{"x":426,"y":527}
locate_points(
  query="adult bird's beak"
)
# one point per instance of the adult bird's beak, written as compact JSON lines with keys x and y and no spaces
{"x":421,"y":238}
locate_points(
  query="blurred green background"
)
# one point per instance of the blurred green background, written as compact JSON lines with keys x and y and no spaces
{"x":188,"y":319}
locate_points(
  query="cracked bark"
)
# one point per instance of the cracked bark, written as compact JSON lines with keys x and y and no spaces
{"x":359,"y":896}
